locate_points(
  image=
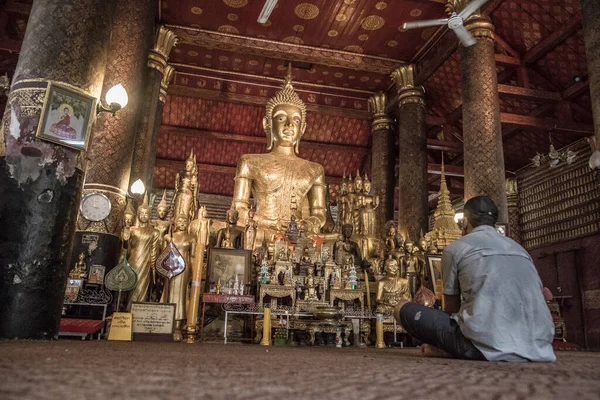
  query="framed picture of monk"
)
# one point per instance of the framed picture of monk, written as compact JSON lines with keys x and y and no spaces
{"x":66,"y":116}
{"x":434,"y":262}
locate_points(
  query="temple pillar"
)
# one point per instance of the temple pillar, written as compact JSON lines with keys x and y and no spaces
{"x":514,"y":218}
{"x":111,"y":150}
{"x":66,"y":43}
{"x":383,"y":160}
{"x":482,"y":133}
{"x":413,"y":206}
{"x":155,"y":95}
{"x":590,"y":15}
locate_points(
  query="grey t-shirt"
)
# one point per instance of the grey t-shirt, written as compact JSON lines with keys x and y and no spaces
{"x":503,"y":311}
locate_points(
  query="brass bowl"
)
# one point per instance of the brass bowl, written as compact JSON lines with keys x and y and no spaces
{"x":328,"y":313}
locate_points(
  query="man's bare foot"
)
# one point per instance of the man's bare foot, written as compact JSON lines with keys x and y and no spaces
{"x":431,"y":351}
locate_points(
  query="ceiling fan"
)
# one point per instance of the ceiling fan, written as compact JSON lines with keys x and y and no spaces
{"x":455,"y":22}
{"x":266,"y":11}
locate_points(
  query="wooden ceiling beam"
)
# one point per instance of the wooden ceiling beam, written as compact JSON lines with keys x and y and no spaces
{"x":529,"y":94}
{"x":510,"y":131}
{"x":507,"y":61}
{"x":502,"y":43}
{"x":449,"y":170}
{"x":526,"y":121}
{"x":549,"y":43}
{"x":575,"y":90}
{"x":11,"y":45}
{"x":444,"y":145}
{"x":230,"y":137}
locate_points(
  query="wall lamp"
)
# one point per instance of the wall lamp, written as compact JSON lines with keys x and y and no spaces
{"x":116,"y":97}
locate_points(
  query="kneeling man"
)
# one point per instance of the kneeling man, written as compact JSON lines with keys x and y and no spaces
{"x":494,"y":293}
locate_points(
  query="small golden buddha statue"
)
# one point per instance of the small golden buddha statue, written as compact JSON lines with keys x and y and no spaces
{"x":310,"y":286}
{"x":350,"y":202}
{"x":280,"y":177}
{"x":178,"y":286}
{"x":144,"y":246}
{"x":185,"y":200}
{"x":80,"y":269}
{"x":251,"y":227}
{"x":347,"y":246}
{"x":232,"y":236}
{"x":368,"y":205}
{"x":358,"y":202}
{"x":128,"y":220}
{"x":392,"y":288}
{"x":343,"y":204}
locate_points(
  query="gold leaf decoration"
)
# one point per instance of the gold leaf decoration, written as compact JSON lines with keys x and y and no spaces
{"x":416,"y":13}
{"x":223,"y":58}
{"x":338,"y":74}
{"x":293,"y":39}
{"x":236,"y":3}
{"x":253,"y":62}
{"x":332,"y":33}
{"x":228,"y":29}
{"x":349,"y":2}
{"x":381,"y":5}
{"x":363,"y":37}
{"x":306,"y":11}
{"x":354,"y":49}
{"x":341,"y":17}
{"x":196,"y":10}
{"x":192,"y":53}
{"x":364,"y":78}
{"x":298,"y":28}
{"x":372,"y":22}
{"x":232,"y":17}
{"x":392,"y":43}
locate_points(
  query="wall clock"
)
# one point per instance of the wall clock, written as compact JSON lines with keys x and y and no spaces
{"x":95,"y":207}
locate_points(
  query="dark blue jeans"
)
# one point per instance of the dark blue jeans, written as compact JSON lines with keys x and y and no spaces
{"x":436,"y":328}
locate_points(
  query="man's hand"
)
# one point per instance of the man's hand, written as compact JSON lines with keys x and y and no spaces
{"x":451,"y":303}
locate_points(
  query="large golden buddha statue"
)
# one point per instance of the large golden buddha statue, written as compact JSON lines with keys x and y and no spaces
{"x":279,"y":179}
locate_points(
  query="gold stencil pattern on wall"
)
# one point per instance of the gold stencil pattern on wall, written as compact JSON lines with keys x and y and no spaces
{"x":341,"y":17}
{"x":228,"y":29}
{"x":293,"y":39}
{"x":392,"y":43}
{"x":332,"y":33}
{"x":196,"y":10}
{"x":354,"y":49}
{"x":298,"y":28}
{"x":363,"y":37}
{"x":232,"y":17}
{"x":306,"y":11}
{"x":372,"y":22}
{"x":381,"y":5}
{"x":416,"y":13}
{"x":236,"y":3}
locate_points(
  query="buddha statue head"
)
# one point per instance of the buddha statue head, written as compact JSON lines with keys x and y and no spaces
{"x":390,"y":229}
{"x":358,"y":183}
{"x":203,"y":212}
{"x":391,"y":267}
{"x":347,"y":231}
{"x":366,"y":184}
{"x":162,"y":208}
{"x":350,"y":186}
{"x":408,"y":245}
{"x":285,"y":119}
{"x":130,"y":213}
{"x":144,"y":212}
{"x":232,"y":216}
{"x":190,"y":163}
{"x":181,"y":223}
{"x":343,"y":185}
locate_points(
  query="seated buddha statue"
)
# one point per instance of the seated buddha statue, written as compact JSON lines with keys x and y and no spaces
{"x":232,"y":236}
{"x":310,"y":286}
{"x":392,"y":288}
{"x":279,"y":178}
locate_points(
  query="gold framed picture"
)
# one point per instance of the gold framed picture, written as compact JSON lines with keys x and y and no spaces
{"x":434,"y":262}
{"x":66,"y":116}
{"x":226,"y":264}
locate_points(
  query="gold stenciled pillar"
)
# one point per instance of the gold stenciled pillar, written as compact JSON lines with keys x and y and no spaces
{"x":110,"y":151}
{"x":514,"y":220}
{"x":412,"y":156}
{"x":482,"y":134}
{"x":383,"y":159}
{"x":66,"y":43}
{"x":590,"y":15}
{"x":155,"y":95}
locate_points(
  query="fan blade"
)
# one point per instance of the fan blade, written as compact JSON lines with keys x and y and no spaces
{"x":464,"y":36}
{"x":473,"y":6}
{"x":424,"y":24}
{"x":266,"y":11}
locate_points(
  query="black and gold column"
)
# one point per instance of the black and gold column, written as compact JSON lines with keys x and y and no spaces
{"x":155,"y":95}
{"x":514,"y":216}
{"x":590,"y":14}
{"x":383,"y":159}
{"x":111,"y":150}
{"x":66,"y":44}
{"x":482,"y":133}
{"x":412,"y":156}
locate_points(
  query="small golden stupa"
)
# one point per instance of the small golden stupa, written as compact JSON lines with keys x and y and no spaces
{"x":445,"y":229}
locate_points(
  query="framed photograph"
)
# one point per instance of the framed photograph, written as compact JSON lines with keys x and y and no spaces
{"x":226,"y":264}
{"x":72,"y":290}
{"x":96,"y":276}
{"x":66,"y":116}
{"x":434,"y":261}
{"x":502,"y":229}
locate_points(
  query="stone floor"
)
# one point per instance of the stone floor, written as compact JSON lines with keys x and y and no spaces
{"x":70,"y":369}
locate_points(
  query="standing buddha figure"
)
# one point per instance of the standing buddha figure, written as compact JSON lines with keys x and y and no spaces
{"x":162,"y":223}
{"x":342,"y":203}
{"x":351,"y":202}
{"x":178,"y":286}
{"x":186,"y":189}
{"x":143,"y":249}
{"x":368,"y":206}
{"x":358,"y":204}
{"x":280,"y":177}
{"x":251,"y":226}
